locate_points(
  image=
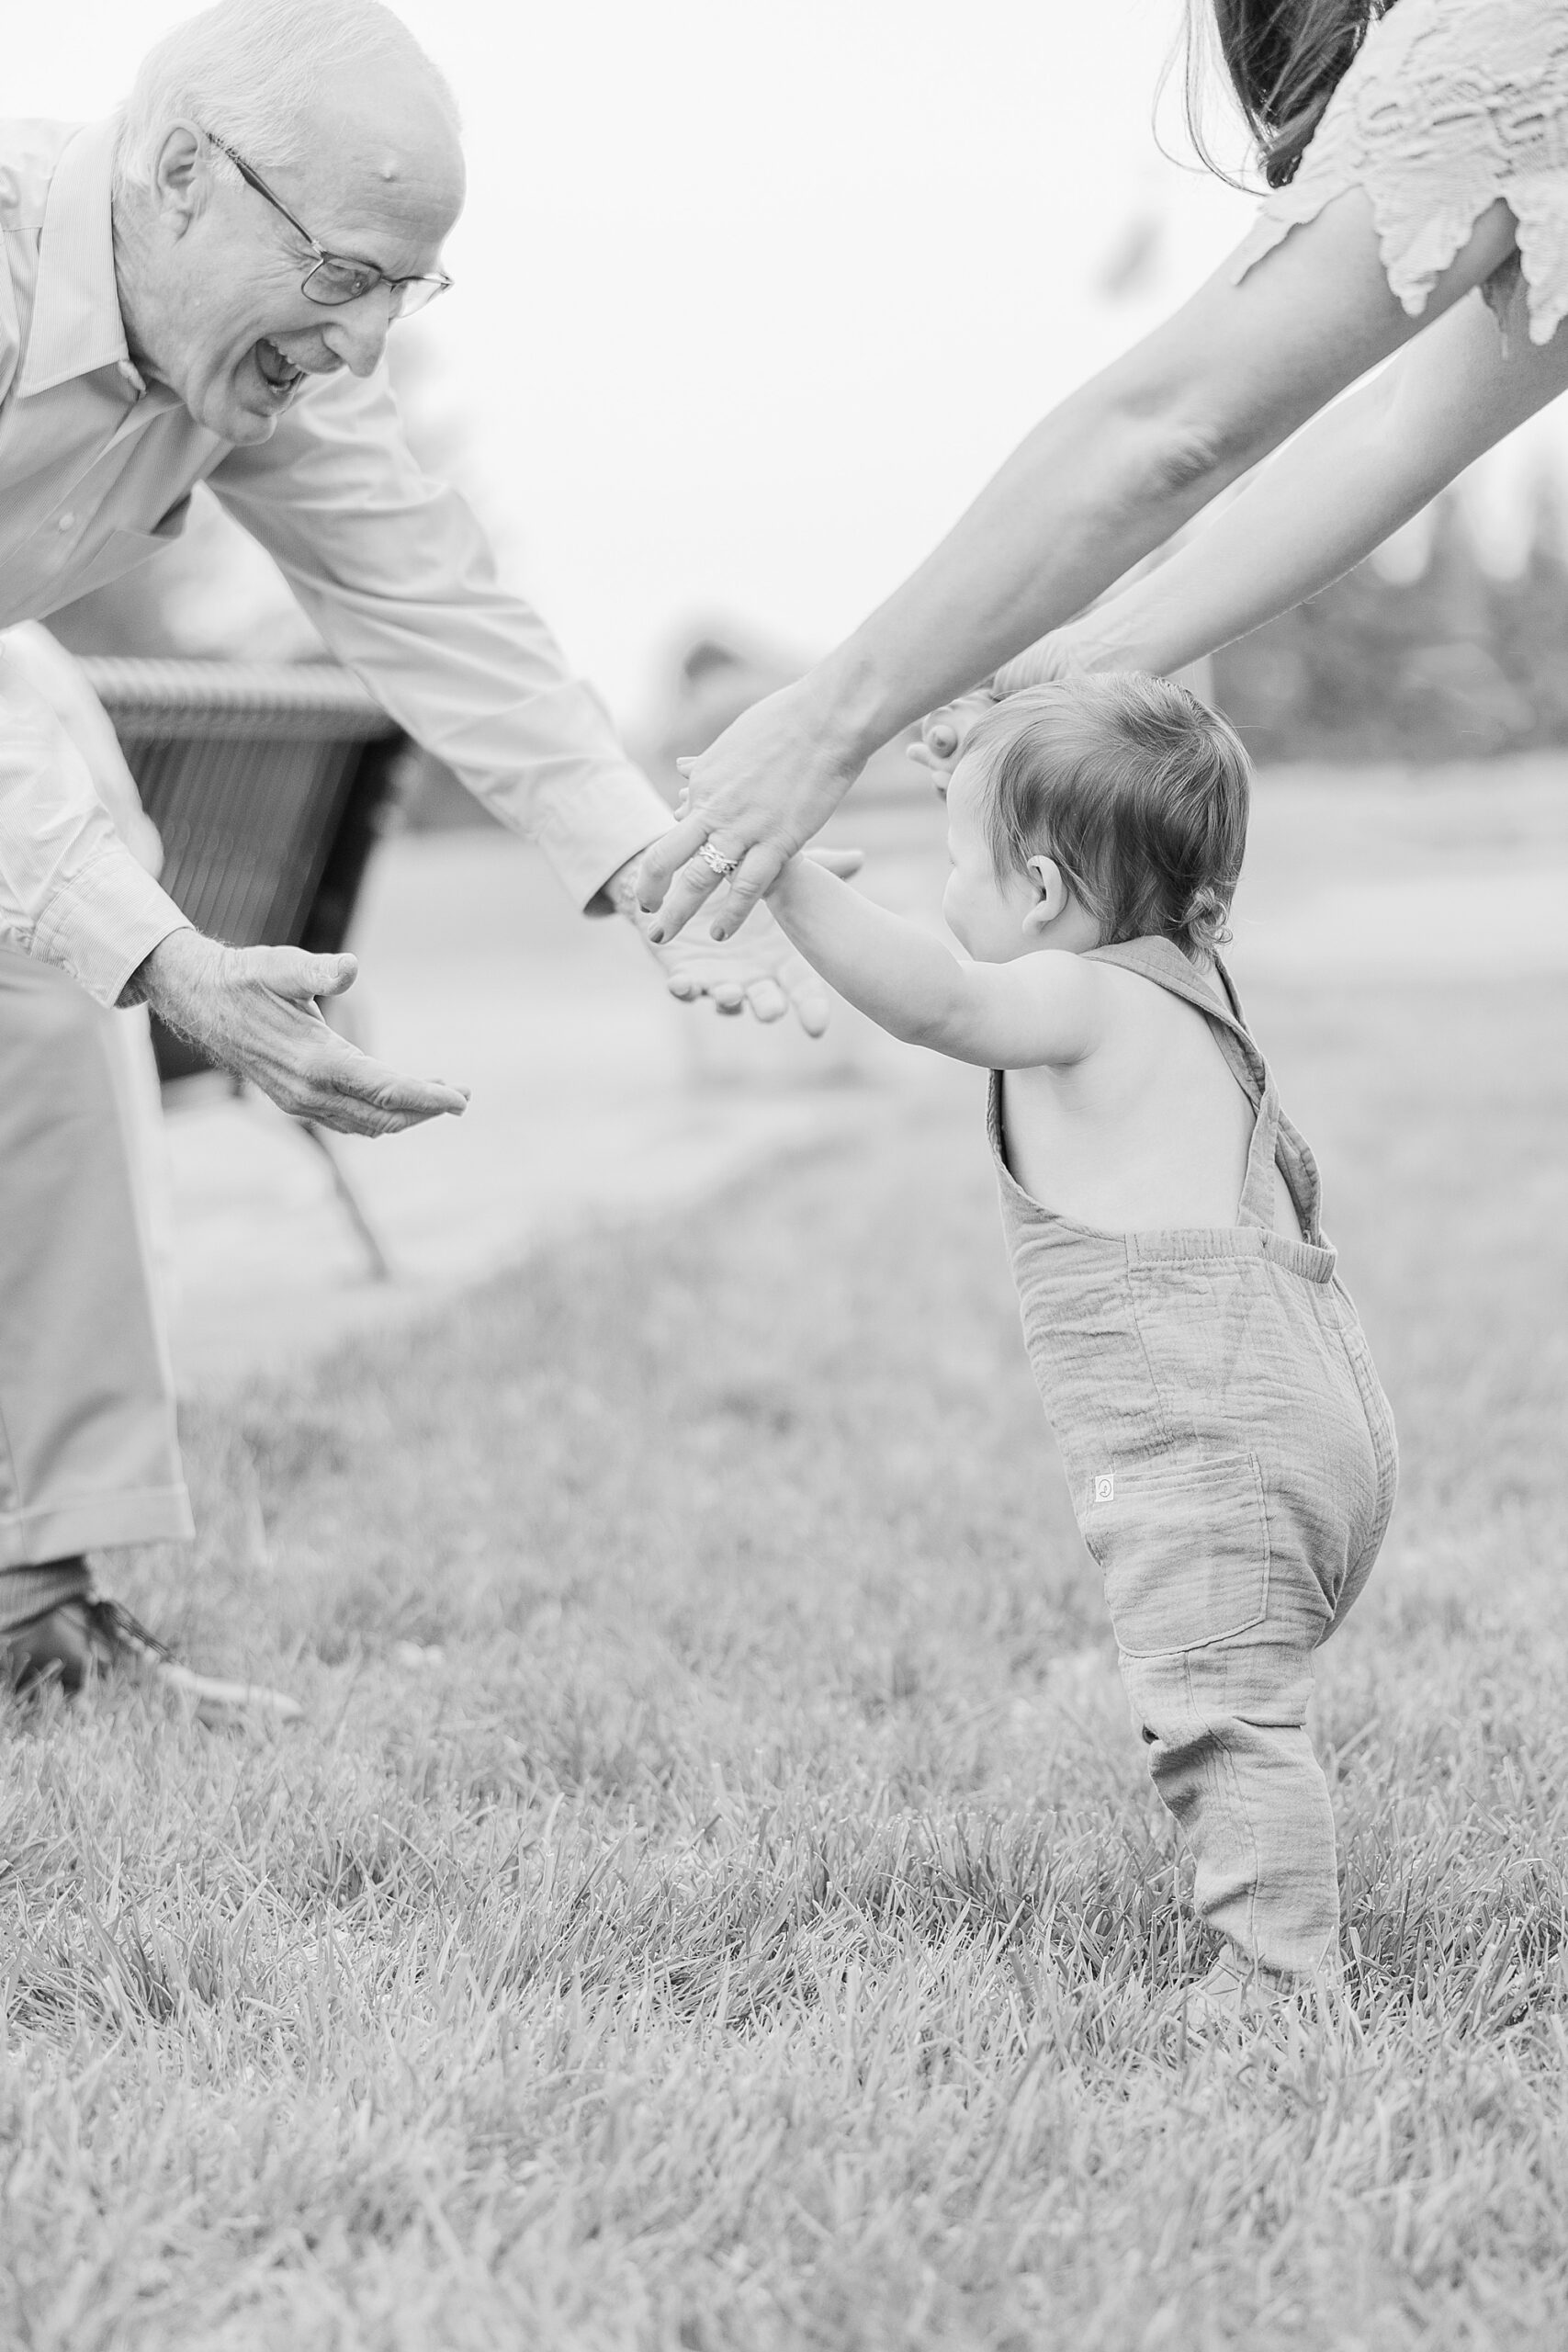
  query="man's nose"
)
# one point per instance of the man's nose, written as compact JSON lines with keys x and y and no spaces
{"x":357,"y":333}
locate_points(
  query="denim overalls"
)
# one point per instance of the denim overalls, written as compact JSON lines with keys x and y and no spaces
{"x":1232,"y":1460}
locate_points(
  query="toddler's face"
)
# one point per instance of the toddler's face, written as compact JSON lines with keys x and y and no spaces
{"x":983,"y":909}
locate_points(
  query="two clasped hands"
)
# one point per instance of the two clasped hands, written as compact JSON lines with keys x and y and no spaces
{"x":751,"y":801}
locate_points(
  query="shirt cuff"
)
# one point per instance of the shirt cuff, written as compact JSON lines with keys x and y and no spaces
{"x":605,"y":820}
{"x":104,"y":922}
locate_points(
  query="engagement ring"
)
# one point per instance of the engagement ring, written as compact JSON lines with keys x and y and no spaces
{"x":717,"y":862}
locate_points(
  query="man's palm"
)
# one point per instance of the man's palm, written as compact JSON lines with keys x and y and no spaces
{"x":757,"y":971}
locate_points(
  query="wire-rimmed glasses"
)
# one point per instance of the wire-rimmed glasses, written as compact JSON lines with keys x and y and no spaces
{"x":333,"y":279}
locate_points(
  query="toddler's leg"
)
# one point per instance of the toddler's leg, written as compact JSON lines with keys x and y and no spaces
{"x":1230,"y":1756}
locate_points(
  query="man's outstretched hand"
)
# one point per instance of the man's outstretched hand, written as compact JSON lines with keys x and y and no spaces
{"x":254,"y":1011}
{"x":759,"y":973}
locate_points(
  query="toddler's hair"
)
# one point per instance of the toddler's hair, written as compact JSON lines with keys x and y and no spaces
{"x":1138,"y":790}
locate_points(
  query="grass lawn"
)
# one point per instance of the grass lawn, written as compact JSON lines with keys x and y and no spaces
{"x":715,"y":1899}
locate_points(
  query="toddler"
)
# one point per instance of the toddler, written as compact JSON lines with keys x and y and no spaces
{"x":1230,"y":1450}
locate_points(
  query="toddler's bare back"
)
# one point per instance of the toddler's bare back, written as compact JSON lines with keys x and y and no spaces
{"x":1147,"y":1132}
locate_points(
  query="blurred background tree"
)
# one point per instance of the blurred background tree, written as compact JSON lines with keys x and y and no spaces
{"x":1452,"y":662}
{"x":1424,"y":652}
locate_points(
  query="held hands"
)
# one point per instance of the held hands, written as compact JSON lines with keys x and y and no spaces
{"x":945,"y":731}
{"x":755,"y":797}
{"x":761,"y":973}
{"x":253,"y":1011}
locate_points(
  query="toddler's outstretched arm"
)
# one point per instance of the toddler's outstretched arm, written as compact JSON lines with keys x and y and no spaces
{"x":1046,"y":1007}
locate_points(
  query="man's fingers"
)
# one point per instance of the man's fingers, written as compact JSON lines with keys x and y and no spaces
{"x":356,"y":1095}
{"x":346,"y":1117}
{"x":663,"y":860}
{"x":333,"y":974}
{"x":389,"y":1091}
{"x":290,"y":972}
{"x":813,"y":1004}
{"x":767,"y":1001}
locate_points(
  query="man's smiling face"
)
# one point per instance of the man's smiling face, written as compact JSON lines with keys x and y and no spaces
{"x":381,"y":182}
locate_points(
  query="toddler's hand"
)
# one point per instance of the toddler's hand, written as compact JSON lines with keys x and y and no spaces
{"x":944,"y":732}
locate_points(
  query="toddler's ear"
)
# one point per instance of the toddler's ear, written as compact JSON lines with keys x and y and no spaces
{"x":1052,"y":885}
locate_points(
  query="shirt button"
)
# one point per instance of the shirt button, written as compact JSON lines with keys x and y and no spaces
{"x":66,"y":523}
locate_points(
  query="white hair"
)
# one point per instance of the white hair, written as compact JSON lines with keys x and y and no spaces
{"x":249,"y":71}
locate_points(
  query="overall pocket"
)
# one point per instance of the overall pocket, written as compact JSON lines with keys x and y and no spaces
{"x":1184,"y":1548}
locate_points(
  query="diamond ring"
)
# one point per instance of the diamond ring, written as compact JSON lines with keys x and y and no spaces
{"x":717,"y":862}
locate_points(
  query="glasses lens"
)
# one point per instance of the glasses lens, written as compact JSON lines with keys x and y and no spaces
{"x":334,"y":282}
{"x":415,"y":293}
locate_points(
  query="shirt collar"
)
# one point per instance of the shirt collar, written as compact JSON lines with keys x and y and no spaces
{"x":76,"y":325}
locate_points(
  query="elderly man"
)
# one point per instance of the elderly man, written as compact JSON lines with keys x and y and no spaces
{"x":200,"y":289}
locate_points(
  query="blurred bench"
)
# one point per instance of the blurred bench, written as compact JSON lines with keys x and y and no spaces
{"x":270,"y":783}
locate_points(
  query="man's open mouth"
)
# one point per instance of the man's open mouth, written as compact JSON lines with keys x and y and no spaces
{"x":280,"y":373}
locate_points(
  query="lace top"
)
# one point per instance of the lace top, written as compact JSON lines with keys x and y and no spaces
{"x":1450,"y":105}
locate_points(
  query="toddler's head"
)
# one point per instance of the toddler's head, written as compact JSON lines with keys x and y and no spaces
{"x":1094,"y":810}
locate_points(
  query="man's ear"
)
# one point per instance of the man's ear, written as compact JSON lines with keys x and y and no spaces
{"x":1051,"y":883}
{"x":182,"y":177}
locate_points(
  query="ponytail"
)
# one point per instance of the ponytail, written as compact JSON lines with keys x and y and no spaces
{"x":1285,"y":60}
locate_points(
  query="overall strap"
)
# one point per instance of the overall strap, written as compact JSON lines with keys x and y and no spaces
{"x":1273,"y":1138}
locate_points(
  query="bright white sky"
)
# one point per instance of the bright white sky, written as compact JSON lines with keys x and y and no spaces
{"x":752,"y":294}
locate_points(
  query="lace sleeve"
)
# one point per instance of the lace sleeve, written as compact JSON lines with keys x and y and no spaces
{"x":1450,"y":105}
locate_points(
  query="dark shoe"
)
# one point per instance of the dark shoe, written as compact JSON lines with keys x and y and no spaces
{"x":79,"y":1639}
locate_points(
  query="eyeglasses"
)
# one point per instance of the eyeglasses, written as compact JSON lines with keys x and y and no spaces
{"x":334,"y":278}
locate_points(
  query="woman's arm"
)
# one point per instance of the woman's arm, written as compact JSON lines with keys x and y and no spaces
{"x":1042,"y":1007}
{"x":1356,"y":473}
{"x":1109,"y":475}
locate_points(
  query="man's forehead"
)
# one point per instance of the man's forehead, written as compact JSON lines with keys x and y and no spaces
{"x":360,"y":178}
{"x":381,"y":149}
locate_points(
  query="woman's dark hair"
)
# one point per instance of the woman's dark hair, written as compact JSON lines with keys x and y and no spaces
{"x":1285,"y":60}
{"x":1138,"y":790}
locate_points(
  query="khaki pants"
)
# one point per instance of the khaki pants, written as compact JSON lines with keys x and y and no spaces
{"x":88,"y":1449}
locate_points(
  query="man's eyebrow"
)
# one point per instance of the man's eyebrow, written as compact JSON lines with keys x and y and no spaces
{"x":367,"y":261}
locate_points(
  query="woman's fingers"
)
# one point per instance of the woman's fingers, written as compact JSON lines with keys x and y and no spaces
{"x":757,"y":871}
{"x":689,"y":887}
{"x":1059,"y":655}
{"x":665,"y":857}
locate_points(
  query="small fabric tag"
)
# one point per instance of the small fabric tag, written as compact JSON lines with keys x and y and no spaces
{"x":1105,"y":1487}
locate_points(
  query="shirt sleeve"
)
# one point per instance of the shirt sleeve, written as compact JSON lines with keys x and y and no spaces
{"x":395,"y":572}
{"x":70,"y":892}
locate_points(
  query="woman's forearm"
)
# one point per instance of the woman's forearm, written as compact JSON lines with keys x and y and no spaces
{"x":1105,"y":479}
{"x":1128,"y":459}
{"x":1354,"y":476}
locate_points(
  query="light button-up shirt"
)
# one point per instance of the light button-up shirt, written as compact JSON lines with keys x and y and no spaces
{"x":96,"y":470}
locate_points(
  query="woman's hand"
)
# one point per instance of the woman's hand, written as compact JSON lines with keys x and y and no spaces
{"x":1113,"y":472}
{"x":1067,"y":652}
{"x":753,"y":798}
